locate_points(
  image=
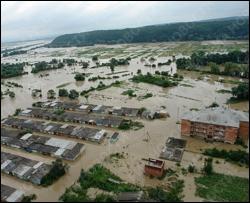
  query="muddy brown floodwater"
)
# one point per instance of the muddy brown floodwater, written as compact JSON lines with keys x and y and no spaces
{"x":176,"y":100}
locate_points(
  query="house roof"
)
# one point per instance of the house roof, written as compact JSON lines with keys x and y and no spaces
{"x":130,"y":196}
{"x":217,"y":115}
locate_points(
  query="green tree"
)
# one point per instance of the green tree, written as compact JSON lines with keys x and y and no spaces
{"x":214,"y":68}
{"x":73,"y":94}
{"x":208,"y":166}
{"x":241,"y":91}
{"x":85,"y":65}
{"x":12,"y":94}
{"x":63,"y":93}
{"x":95,"y":58}
{"x":86,"y":97}
{"x":51,"y":94}
{"x":112,"y":68}
{"x":80,"y":77}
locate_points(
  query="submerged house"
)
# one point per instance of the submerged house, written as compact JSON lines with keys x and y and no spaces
{"x":218,"y":124}
{"x":10,"y":194}
{"x":154,"y":167}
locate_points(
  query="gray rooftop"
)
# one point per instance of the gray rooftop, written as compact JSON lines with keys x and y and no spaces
{"x":217,"y":115}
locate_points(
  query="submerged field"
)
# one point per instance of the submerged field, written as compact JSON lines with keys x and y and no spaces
{"x":194,"y":91}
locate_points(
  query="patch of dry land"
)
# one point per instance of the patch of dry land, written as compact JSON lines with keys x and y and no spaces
{"x":134,"y":145}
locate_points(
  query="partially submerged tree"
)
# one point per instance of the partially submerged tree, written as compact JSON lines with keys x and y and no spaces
{"x":208,"y":166}
{"x":51,"y":94}
{"x":73,"y":94}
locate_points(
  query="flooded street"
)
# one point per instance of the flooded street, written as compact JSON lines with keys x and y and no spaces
{"x":175,"y":100}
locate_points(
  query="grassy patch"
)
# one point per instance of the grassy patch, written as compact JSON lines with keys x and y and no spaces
{"x":239,"y":156}
{"x":173,"y":195}
{"x":219,"y":187}
{"x":97,"y":177}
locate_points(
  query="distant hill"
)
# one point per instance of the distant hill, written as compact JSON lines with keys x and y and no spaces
{"x":232,"y":28}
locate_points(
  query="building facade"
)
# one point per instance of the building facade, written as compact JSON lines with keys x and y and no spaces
{"x":218,"y":124}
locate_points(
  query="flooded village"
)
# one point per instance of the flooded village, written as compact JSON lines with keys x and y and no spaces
{"x":142,"y":133}
{"x":124,"y":101}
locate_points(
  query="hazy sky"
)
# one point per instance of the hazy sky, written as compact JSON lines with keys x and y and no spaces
{"x":31,"y":20}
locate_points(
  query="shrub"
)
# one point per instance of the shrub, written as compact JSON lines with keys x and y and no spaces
{"x":73,"y":94}
{"x":208,"y":166}
{"x":63,"y":93}
{"x":191,"y":168}
{"x":58,"y":169}
{"x":80,"y":77}
{"x":239,"y":156}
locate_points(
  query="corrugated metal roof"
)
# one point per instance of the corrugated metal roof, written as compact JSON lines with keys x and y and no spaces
{"x":65,"y":144}
{"x":59,"y":152}
{"x":21,"y":170}
{"x":15,"y":196}
{"x":26,"y":111}
{"x":97,"y":108}
{"x":4,"y":164}
{"x":26,"y":136}
{"x":83,"y":106}
{"x":38,"y":165}
{"x":48,"y":128}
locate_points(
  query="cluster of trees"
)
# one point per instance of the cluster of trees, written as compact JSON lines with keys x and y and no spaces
{"x":98,"y":78}
{"x":12,"y":70}
{"x":70,"y":62}
{"x":100,"y":86}
{"x":58,"y":169}
{"x":155,"y":79}
{"x":174,"y":194}
{"x":165,"y":63}
{"x":80,"y":76}
{"x":200,"y":58}
{"x":235,"y":63}
{"x":241,"y":91}
{"x":8,"y":92}
{"x":72,"y":94}
{"x":116,"y":62}
{"x":12,"y":53}
{"x":43,"y":65}
{"x":239,"y":70}
{"x":206,"y":30}
{"x":84,"y":64}
{"x":63,"y":93}
{"x":238,"y":156}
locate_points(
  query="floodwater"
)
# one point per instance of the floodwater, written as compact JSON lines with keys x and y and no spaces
{"x":132,"y":143}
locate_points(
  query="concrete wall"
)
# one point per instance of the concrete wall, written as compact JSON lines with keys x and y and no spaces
{"x":185,"y":127}
{"x":244,"y":131}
